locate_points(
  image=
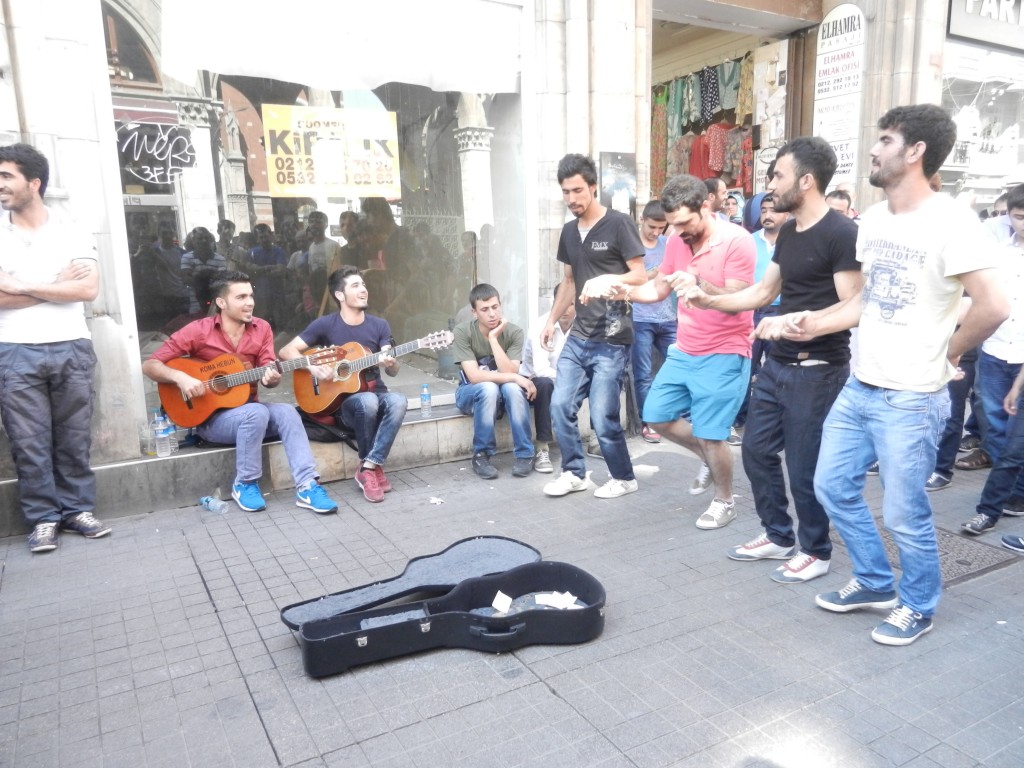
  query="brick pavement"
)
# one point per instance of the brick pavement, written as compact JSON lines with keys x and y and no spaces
{"x":161,"y":645}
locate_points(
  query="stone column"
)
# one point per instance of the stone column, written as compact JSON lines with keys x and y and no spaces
{"x":474,"y":148}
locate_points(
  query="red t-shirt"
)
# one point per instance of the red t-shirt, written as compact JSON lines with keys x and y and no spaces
{"x":204,"y":340}
{"x":729,"y":254}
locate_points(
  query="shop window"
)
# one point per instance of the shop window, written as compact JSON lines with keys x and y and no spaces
{"x":422,"y":191}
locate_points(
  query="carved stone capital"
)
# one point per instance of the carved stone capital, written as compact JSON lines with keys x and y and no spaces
{"x":474,"y":139}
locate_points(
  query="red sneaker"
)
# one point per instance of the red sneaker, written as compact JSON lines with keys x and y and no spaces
{"x":382,"y":479}
{"x":368,"y":481}
{"x":650,"y":435}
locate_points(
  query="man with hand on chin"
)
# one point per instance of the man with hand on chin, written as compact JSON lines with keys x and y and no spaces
{"x":489,"y":350}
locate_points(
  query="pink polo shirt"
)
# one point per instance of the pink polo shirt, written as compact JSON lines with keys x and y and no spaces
{"x":729,"y":254}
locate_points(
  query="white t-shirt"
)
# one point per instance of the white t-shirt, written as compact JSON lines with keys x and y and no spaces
{"x":537,"y":361}
{"x":912,"y":291}
{"x":1007,"y":341}
{"x":39,"y":256}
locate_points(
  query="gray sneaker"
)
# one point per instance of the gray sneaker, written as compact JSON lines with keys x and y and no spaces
{"x":483,"y":467}
{"x":522,"y":467}
{"x":853,"y":597}
{"x":702,"y":481}
{"x":542,"y":463}
{"x":978,"y":524}
{"x":43,"y":537}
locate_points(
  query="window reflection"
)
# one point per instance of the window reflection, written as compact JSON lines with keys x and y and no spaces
{"x":288,"y":208}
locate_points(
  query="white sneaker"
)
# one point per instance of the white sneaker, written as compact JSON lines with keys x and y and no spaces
{"x":702,"y":481}
{"x":566,"y":483}
{"x":803,"y":567}
{"x":761,"y":548}
{"x":615,"y":488}
{"x":718,"y":515}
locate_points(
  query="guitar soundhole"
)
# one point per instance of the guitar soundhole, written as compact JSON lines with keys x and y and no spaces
{"x":342,"y":371}
{"x":218,"y":385}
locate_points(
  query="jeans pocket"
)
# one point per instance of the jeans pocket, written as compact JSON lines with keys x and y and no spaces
{"x":903,"y":400}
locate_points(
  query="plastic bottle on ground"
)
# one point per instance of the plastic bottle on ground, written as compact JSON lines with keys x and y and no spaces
{"x":213,"y":504}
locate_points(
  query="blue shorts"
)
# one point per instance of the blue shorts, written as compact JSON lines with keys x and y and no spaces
{"x":710,"y":387}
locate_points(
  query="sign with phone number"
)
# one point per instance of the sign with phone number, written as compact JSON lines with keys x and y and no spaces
{"x":325,"y":151}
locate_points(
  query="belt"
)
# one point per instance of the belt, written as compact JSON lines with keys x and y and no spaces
{"x":809,"y":363}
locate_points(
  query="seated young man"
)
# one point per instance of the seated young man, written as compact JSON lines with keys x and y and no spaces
{"x":376,"y":414}
{"x":234,"y":331}
{"x":490,"y":348}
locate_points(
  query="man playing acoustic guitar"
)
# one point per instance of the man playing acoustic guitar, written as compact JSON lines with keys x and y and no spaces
{"x":373,"y":413}
{"x":234,"y":331}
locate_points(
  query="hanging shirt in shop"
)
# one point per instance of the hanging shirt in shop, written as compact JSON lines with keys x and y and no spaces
{"x":733,"y":165}
{"x":728,"y":83}
{"x":716,"y":137}
{"x":675,"y":99}
{"x":679,"y":156}
{"x":699,"y":159}
{"x":691,"y":100}
{"x":659,"y":138}
{"x":745,"y":95}
{"x":709,"y":103}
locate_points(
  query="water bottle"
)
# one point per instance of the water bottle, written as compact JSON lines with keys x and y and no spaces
{"x":163,"y":442}
{"x":425,"y":402}
{"x":213,"y":504}
{"x":172,"y":435}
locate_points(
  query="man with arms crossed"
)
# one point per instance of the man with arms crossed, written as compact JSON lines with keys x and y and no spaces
{"x":376,"y":414}
{"x":233,"y":330}
{"x":47,"y":271}
{"x":918,"y":251}
{"x":707,"y":372}
{"x":814,"y":266}
{"x":599,"y":249}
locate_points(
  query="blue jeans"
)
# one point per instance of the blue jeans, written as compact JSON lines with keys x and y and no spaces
{"x":648,"y":337}
{"x":1005,"y":474}
{"x":481,"y":401}
{"x":901,"y":430}
{"x":375,"y":418}
{"x":994,"y":379}
{"x":759,"y":350}
{"x":596,"y":370}
{"x":46,"y":402}
{"x":787,"y":410}
{"x":247,"y":426}
{"x":953,"y":432}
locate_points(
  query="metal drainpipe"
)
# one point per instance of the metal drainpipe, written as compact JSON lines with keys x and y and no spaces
{"x":15,"y":69}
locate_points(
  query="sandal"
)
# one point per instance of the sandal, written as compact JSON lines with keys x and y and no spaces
{"x":976,"y":459}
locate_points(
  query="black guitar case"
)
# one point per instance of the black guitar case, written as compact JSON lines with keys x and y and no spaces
{"x":462,"y":618}
{"x":431,"y":574}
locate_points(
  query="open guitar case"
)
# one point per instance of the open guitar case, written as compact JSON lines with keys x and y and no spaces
{"x":445,"y":600}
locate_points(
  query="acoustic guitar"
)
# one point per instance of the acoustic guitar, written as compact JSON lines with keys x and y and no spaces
{"x":322,"y":397}
{"x":228,"y":383}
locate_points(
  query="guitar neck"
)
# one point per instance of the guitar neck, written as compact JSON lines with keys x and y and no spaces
{"x":371,"y":360}
{"x":255,"y":374}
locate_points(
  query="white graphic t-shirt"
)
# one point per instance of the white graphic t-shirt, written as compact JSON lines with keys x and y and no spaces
{"x":912,"y":291}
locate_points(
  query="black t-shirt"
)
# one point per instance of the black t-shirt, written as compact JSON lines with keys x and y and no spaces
{"x":807,"y":261}
{"x":610,"y":243}
{"x":373,"y":333}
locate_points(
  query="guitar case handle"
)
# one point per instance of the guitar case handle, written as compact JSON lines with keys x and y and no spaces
{"x":484,"y":634}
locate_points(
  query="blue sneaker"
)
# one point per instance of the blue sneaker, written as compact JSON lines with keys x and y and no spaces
{"x":853,"y":597}
{"x":248,"y":497}
{"x":315,"y":497}
{"x":901,"y":627}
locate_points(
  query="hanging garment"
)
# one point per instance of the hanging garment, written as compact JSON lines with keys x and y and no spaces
{"x":709,"y":103}
{"x":728,"y":83}
{"x":659,"y":138}
{"x":745,"y":93}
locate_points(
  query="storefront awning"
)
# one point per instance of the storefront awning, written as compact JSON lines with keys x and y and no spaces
{"x":455,"y":45}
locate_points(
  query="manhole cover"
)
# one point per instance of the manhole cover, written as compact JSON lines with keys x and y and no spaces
{"x":960,"y":558}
